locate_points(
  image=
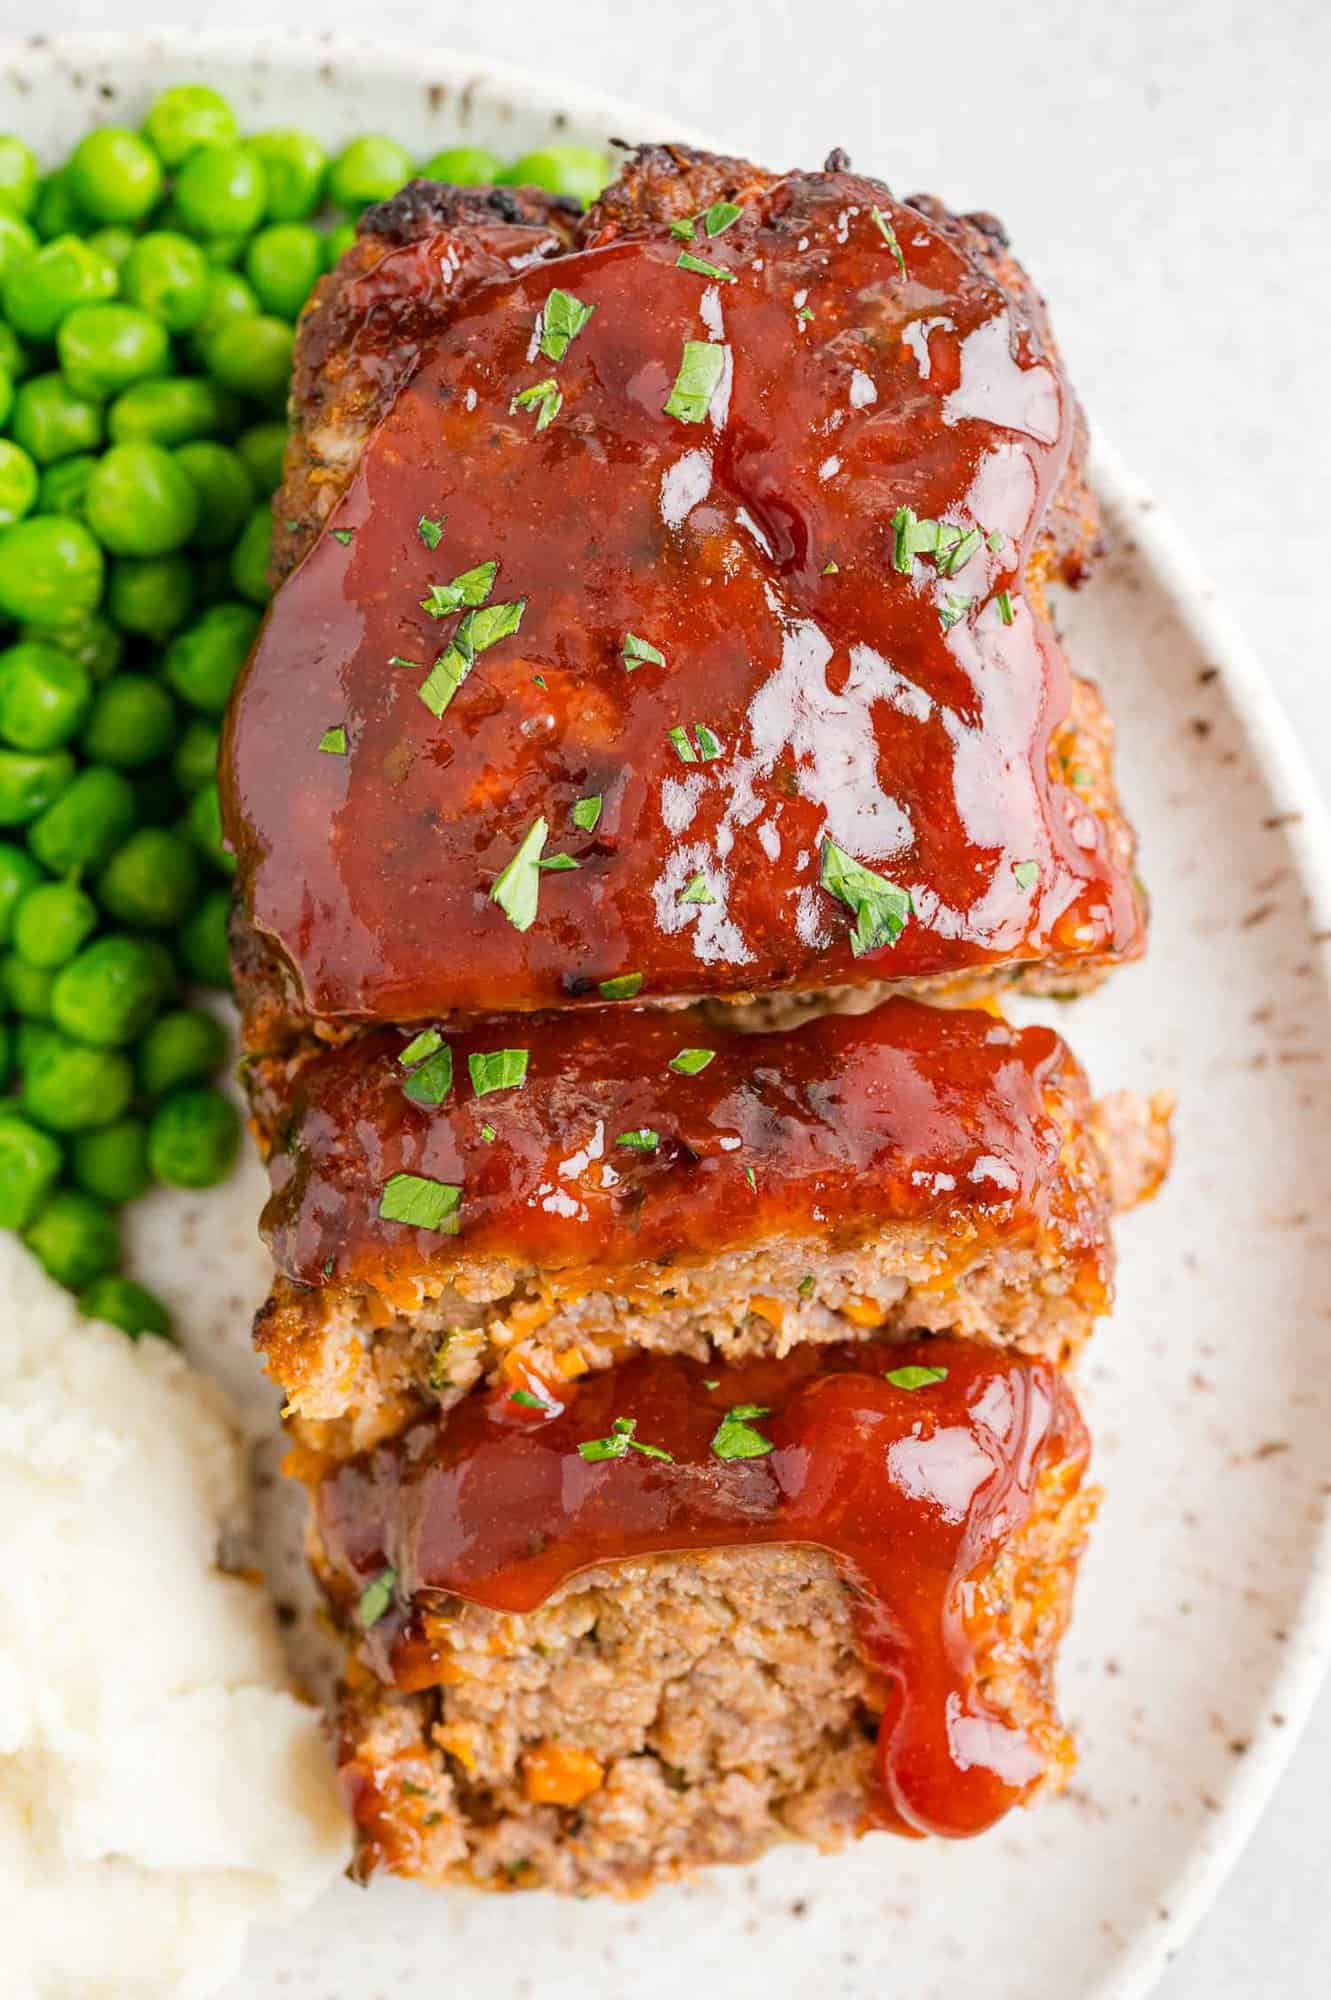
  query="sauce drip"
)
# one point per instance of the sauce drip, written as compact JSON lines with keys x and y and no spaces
{"x":844,"y":1125}
{"x":753,"y":550}
{"x":915,"y":1492}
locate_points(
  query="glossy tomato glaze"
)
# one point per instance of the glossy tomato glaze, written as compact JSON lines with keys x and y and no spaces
{"x":916,"y":1492}
{"x":754,"y":550}
{"x":841,"y":1126}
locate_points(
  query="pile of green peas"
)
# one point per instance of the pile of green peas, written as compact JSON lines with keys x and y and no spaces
{"x":148,"y":292}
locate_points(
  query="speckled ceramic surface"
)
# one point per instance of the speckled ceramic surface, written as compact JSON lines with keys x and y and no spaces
{"x":1204,"y":1606}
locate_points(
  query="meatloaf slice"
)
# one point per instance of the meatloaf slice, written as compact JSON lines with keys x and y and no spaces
{"x":603,"y":1182}
{"x":855,"y":1625}
{"x":766,"y":671}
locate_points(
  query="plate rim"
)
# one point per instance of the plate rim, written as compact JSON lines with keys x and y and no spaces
{"x":1193,"y":597}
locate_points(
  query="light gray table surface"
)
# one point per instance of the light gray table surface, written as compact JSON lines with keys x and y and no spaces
{"x":1164,"y":167}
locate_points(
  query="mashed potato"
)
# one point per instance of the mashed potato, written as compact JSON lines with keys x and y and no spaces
{"x":160,"y":1787}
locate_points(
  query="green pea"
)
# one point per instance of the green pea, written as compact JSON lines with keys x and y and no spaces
{"x":195,"y":761}
{"x":120,"y":1301}
{"x":69,"y":1086}
{"x":18,"y":873}
{"x":52,"y":922}
{"x":139,"y":502}
{"x":579,"y":171}
{"x":168,"y":276}
{"x":222,"y":191}
{"x":185,"y":116}
{"x":44,"y":695}
{"x":108,"y":994}
{"x":112,"y":1163}
{"x":57,"y":213}
{"x":114,"y":242}
{"x":87,"y":822}
{"x":18,"y":483}
{"x":203,"y":941}
{"x":263,"y":449}
{"x":184,"y":1046}
{"x":63,"y":485}
{"x":53,"y":420}
{"x":17,"y":241}
{"x":104,"y":349}
{"x":150,"y":882}
{"x":30,"y":1162}
{"x":229,"y":297}
{"x":337,"y":243}
{"x":170,"y":410}
{"x":132,"y":722}
{"x":151,"y":595}
{"x":15,"y":358}
{"x":294,"y":164}
{"x":252,"y":555}
{"x":29,"y":781}
{"x":26,"y":988}
{"x":92,"y":641}
{"x":252,"y":356}
{"x":225,"y":491}
{"x":203,"y":660}
{"x":74,"y":1238}
{"x":225,"y":252}
{"x":369,"y":169}
{"x":18,"y":175}
{"x":6,"y":396}
{"x":113,"y":175}
{"x":282,"y":263}
{"x":463,"y":166}
{"x":203,"y":823}
{"x":51,"y":570}
{"x":40,"y":289}
{"x":193,"y":1138}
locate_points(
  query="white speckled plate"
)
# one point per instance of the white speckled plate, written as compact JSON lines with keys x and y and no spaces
{"x":1202,"y":1626}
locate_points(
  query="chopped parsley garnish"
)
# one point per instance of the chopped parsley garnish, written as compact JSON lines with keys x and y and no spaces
{"x":419,"y":1047}
{"x":376,"y":1598}
{"x":952,"y":610}
{"x":472,"y":587}
{"x":622,"y":988}
{"x":701,"y":368}
{"x":806,"y":1285}
{"x":683,"y":226}
{"x":443,"y":680}
{"x":881,"y":907}
{"x":804,"y":314}
{"x":538,"y":680}
{"x":708,"y":743}
{"x":546,"y":396}
{"x":643,"y":1140}
{"x":1004,"y":603}
{"x":1027,"y":873}
{"x":690,"y":1062}
{"x":686,"y":261}
{"x":1080,"y":777}
{"x":557,"y":864}
{"x":517,"y":886}
{"x":889,"y":236}
{"x":562,"y":319}
{"x":949,"y":545}
{"x":720,"y":216}
{"x":342,"y":535}
{"x":637,"y":650}
{"x":735,"y":1436}
{"x":586,"y":812}
{"x":334,"y":740}
{"x":527,"y":1400}
{"x":500,"y":1069}
{"x":480,"y":629}
{"x":684,"y":750}
{"x":830,"y":569}
{"x":488,"y":1134}
{"x":914,"y":1377}
{"x":696,"y":891}
{"x":711,"y":1382}
{"x":396,"y":660}
{"x":960,"y":551}
{"x":430,"y":532}
{"x":751,"y":1178}
{"x":431,"y":1083}
{"x":619,"y":1444}
{"x":420,"y":1202}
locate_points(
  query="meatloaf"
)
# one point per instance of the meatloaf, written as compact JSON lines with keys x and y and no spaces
{"x":453,"y":1206}
{"x":807,"y":1598}
{"x":670,"y":615}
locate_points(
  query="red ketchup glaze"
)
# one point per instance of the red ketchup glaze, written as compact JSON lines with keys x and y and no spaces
{"x":753,"y":549}
{"x":915,"y":1492}
{"x":846,"y":1123}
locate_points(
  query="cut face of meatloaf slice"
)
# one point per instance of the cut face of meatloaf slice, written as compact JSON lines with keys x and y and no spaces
{"x":529,"y":1199}
{"x":805,"y":1599}
{"x":708,"y":567}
